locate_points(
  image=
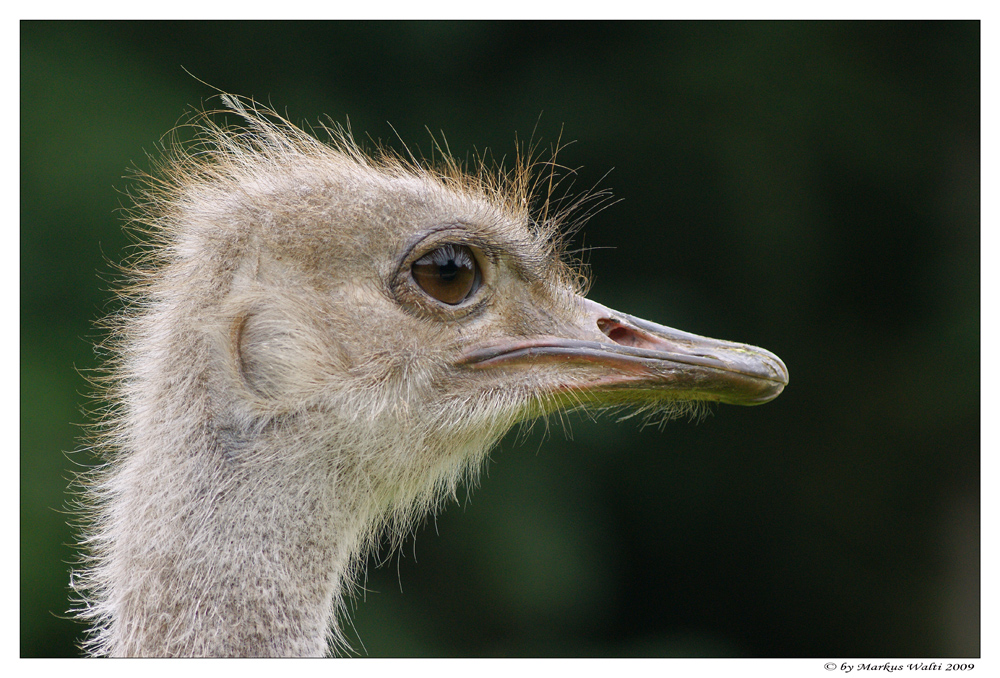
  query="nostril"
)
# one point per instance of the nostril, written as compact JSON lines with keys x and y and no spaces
{"x":620,"y":335}
{"x":616,"y":332}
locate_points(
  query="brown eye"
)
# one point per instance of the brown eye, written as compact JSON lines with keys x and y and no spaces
{"x":449,"y":273}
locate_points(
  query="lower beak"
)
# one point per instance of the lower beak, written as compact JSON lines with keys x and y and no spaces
{"x":612,"y":351}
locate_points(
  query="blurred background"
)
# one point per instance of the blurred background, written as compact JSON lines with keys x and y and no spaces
{"x":812,"y":188}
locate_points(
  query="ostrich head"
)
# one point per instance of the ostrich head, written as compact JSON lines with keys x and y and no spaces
{"x":318,"y":344}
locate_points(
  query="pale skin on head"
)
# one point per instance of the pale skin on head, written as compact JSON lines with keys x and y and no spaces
{"x":316,"y":347}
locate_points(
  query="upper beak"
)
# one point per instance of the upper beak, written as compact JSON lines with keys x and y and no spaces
{"x":616,"y":351}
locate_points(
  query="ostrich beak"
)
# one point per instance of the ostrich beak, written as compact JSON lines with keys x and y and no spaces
{"x":619,"y":352}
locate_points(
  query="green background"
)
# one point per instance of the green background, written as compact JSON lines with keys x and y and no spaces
{"x":812,"y":188}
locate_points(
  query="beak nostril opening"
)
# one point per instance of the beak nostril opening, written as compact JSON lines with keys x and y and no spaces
{"x":616,"y":332}
{"x":622,"y":336}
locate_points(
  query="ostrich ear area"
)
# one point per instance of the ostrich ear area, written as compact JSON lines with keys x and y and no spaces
{"x":278,"y":356}
{"x":605,"y":351}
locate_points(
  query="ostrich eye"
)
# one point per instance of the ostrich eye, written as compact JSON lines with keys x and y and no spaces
{"x":449,"y":273}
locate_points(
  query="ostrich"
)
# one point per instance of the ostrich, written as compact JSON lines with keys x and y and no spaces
{"x":316,"y":346}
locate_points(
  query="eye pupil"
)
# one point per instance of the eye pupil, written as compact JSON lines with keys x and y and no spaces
{"x":449,"y":273}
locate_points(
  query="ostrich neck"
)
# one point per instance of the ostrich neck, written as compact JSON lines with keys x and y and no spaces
{"x":220,"y":541}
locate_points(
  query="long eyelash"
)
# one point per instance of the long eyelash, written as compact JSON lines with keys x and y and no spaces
{"x":446,"y":253}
